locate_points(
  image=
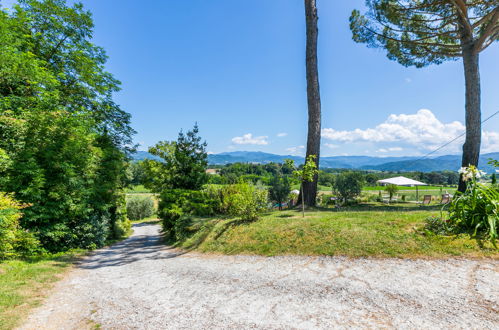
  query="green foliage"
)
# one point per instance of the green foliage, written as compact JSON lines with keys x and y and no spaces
{"x":139,"y":207}
{"x":14,"y":241}
{"x":437,"y":226}
{"x":477,"y":209}
{"x":244,"y":200}
{"x":422,"y":32}
{"x":391,"y":189}
{"x":176,"y":203}
{"x":306,"y":174}
{"x":183,"y":166}
{"x":348,"y":185}
{"x":280,"y":188}
{"x":121,"y":224}
{"x":136,"y":173}
{"x":308,"y":171}
{"x":63,"y":137}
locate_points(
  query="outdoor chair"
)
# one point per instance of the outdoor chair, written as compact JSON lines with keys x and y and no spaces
{"x":426,"y":200}
{"x":445,"y":199}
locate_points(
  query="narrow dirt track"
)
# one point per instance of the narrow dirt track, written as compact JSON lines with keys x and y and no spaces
{"x":141,"y":284}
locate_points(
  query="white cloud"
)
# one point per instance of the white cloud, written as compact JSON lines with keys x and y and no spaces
{"x":490,"y":142}
{"x":250,"y":139}
{"x":295,"y":150}
{"x":417,"y":133}
{"x":408,"y":80}
{"x":331,"y":146}
{"x":389,"y":149}
{"x":282,"y":134}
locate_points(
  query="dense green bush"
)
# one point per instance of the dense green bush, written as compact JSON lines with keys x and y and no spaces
{"x":139,"y":207}
{"x":243,"y":200}
{"x":14,"y":241}
{"x":279,"y":190}
{"x":348,"y":185}
{"x":176,"y":203}
{"x":477,"y":209}
{"x":121,"y":222}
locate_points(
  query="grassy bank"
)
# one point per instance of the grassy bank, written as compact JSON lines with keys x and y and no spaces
{"x":24,"y":284}
{"x":378,"y":231}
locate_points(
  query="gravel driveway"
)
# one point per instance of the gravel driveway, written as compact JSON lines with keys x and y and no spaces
{"x":140,"y":283}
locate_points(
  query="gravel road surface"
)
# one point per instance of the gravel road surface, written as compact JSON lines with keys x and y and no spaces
{"x":141,"y":284}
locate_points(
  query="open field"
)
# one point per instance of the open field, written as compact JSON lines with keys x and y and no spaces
{"x":369,"y":230}
{"x":139,"y":189}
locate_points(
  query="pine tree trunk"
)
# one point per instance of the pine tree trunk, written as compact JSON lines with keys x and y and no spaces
{"x":313,"y":98}
{"x":471,"y":147}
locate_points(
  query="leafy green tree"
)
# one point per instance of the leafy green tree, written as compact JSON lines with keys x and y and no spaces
{"x":136,"y":173}
{"x":65,"y":139}
{"x":326,"y":179}
{"x":391,"y":189}
{"x":422,"y":32}
{"x":348,"y":185}
{"x":308,"y":173}
{"x":183,"y":166}
{"x":279,"y":190}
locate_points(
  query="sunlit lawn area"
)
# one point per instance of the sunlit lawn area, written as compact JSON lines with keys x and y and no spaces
{"x":368,"y":230}
{"x":138,"y":189}
{"x":24,"y":283}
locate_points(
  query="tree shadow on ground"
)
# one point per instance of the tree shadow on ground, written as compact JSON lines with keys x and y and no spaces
{"x":133,"y":249}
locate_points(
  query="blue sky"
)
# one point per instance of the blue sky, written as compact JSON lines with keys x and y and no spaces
{"x":237,"y":68}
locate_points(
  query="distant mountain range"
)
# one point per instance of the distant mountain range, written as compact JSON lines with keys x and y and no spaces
{"x":441,"y":163}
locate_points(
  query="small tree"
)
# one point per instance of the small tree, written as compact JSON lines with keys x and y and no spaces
{"x":279,"y":189}
{"x":183,"y":166}
{"x":494,"y":179}
{"x":391,"y":189}
{"x":348,"y":185}
{"x":306,"y":174}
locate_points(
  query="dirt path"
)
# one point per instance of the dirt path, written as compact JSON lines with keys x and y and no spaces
{"x":141,"y":284}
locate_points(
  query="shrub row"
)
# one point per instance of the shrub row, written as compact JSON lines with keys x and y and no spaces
{"x":177,"y":206}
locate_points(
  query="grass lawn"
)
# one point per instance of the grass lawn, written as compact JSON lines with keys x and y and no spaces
{"x":139,"y":189}
{"x":369,"y":230}
{"x":24,"y":283}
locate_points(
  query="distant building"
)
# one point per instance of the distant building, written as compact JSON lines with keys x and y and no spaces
{"x":212,"y":171}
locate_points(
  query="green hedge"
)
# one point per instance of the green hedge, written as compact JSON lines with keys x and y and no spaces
{"x":14,"y":241}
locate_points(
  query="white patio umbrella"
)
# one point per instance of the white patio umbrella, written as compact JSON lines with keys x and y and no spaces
{"x":403,"y":181}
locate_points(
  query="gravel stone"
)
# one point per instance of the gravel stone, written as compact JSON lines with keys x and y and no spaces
{"x":142,"y":284}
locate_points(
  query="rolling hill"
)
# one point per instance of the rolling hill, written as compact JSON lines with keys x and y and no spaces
{"x":441,"y":163}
